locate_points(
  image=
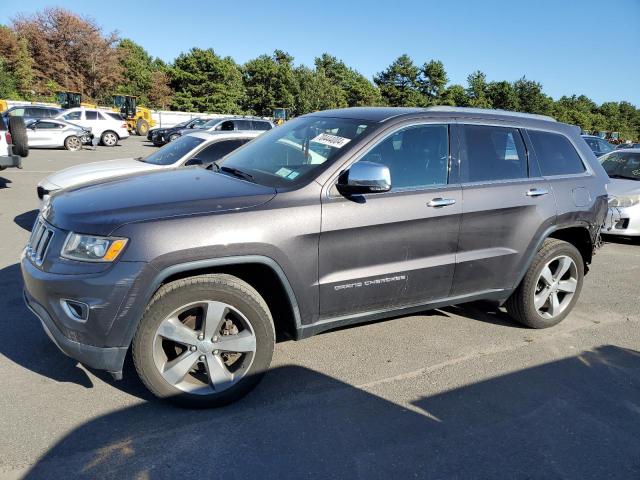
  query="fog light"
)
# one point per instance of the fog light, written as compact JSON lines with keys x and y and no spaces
{"x":76,"y":310}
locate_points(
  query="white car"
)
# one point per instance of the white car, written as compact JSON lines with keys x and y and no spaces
{"x":623,"y":168}
{"x":105,"y":126}
{"x":198,"y":148}
{"x":52,"y":133}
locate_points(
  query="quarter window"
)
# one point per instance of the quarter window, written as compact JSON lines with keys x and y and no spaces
{"x":90,"y":115}
{"x":416,"y":156}
{"x":491,"y":153}
{"x":556,"y":155}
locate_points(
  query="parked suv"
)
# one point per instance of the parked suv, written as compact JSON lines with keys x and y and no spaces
{"x":14,"y":144}
{"x":109,"y":127}
{"x":31,"y":112}
{"x":227,"y":124}
{"x":332,"y":219}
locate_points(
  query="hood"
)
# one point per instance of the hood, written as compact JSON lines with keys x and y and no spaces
{"x":88,"y":172}
{"x":101,"y":208}
{"x":621,"y":186}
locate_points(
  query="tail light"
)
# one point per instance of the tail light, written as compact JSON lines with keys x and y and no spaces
{"x":7,"y":136}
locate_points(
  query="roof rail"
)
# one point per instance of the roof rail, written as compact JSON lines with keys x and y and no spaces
{"x":489,"y":111}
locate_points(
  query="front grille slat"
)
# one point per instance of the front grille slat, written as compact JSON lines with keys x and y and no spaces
{"x":39,"y":241}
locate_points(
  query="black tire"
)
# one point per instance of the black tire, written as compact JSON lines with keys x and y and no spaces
{"x":107,"y":137}
{"x":73,"y":143}
{"x":142,"y":127}
{"x":520,"y":305}
{"x":19,"y":136}
{"x":174,"y":136}
{"x":219,"y":287}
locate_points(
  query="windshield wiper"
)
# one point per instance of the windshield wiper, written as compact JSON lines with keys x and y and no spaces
{"x":617,"y":175}
{"x":235,"y":172}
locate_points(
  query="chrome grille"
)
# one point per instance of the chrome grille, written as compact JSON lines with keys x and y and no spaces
{"x":39,"y":241}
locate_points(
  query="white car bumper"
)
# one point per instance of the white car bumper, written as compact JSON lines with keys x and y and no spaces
{"x":623,"y":221}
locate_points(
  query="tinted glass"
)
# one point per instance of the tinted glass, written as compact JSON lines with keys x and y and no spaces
{"x":73,"y":116}
{"x":243,"y":124}
{"x":114,"y":116}
{"x":491,"y":153}
{"x":293,"y":153}
{"x":174,"y":151}
{"x":36,"y":112}
{"x":622,"y":165}
{"x":555,"y":153}
{"x":91,"y":115}
{"x":218,"y":150}
{"x":16,"y":112}
{"x":227,"y":125}
{"x":47,"y":125}
{"x":605,"y":147}
{"x":257,"y":125}
{"x":416,"y":156}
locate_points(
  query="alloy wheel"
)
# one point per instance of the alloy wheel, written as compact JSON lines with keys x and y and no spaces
{"x":204,"y":347}
{"x":555,"y":287}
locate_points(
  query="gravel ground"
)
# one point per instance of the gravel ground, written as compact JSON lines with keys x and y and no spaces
{"x":459,"y":392}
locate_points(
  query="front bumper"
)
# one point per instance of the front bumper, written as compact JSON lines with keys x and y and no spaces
{"x":623,"y":221}
{"x":101,"y":339}
{"x":101,"y":358}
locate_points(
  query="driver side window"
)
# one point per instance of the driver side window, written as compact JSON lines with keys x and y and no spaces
{"x":417,"y":156}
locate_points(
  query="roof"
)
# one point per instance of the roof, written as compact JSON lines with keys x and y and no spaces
{"x":382,"y":114}
{"x":206,"y":135}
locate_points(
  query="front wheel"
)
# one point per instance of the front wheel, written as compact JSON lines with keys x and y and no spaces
{"x":109,"y":139}
{"x":72,"y":143}
{"x":204,"y":341}
{"x":551,"y":286}
{"x":174,"y":136}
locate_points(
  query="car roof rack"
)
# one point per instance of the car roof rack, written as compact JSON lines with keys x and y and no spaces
{"x":489,"y":111}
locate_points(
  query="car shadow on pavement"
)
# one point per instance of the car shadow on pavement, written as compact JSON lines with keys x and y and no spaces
{"x":574,"y":418}
{"x":621,"y":240}
{"x":27,"y":219}
{"x":4,"y":182}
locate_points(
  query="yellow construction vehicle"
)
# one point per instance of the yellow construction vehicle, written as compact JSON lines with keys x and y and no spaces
{"x":68,"y":99}
{"x":138,"y":118}
{"x":280,"y":115}
{"x":3,"y":105}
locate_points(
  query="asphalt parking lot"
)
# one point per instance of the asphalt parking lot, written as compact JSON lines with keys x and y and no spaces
{"x":461,"y":392}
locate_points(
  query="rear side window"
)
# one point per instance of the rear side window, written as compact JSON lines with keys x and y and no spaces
{"x":556,"y":155}
{"x":91,"y":115}
{"x":73,"y":116}
{"x":491,"y":153}
{"x":257,"y":125}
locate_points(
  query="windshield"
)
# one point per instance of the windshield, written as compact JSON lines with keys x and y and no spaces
{"x":288,"y":155}
{"x":174,"y":151}
{"x":622,"y":165}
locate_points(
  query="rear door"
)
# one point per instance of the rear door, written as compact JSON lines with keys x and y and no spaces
{"x":385,"y":250}
{"x":506,"y":207}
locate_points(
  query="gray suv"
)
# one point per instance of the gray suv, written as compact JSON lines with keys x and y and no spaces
{"x":335,"y":218}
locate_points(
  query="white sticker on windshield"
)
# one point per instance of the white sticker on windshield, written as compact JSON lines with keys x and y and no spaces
{"x":331,"y":140}
{"x":283,"y":172}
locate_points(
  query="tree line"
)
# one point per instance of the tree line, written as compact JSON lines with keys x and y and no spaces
{"x":56,"y":49}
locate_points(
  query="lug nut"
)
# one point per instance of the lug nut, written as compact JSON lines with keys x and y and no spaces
{"x":201,"y":336}
{"x":192,"y":348}
{"x":214,"y":339}
{"x":202,"y":358}
{"x":215,"y":352}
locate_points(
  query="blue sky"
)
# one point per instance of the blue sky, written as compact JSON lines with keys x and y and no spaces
{"x":570,"y":46}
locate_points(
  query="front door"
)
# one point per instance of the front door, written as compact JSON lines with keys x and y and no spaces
{"x":385,"y":250}
{"x":507,"y":206}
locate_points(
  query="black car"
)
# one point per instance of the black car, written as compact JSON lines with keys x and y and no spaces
{"x":160,"y":136}
{"x":32,"y":112}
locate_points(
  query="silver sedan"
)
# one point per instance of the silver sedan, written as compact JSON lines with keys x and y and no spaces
{"x":52,"y":133}
{"x":623,"y":167}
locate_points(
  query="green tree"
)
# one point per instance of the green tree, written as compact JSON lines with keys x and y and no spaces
{"x":206,"y":82}
{"x":433,"y":81}
{"x":477,"y":90}
{"x":359,"y":91}
{"x":269,"y":82}
{"x":8,"y":86}
{"x":138,"y":70}
{"x":456,"y":96}
{"x":502,"y":95}
{"x":399,"y":85}
{"x":530,"y":97}
{"x":317,"y":91}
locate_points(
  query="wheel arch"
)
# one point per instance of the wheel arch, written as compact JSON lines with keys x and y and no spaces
{"x":261,"y":272}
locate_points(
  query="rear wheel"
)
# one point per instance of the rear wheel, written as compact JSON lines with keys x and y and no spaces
{"x":109,"y":139}
{"x":72,"y":143}
{"x":19,"y":136}
{"x":204,"y":341}
{"x":142,"y":127}
{"x":551,"y":286}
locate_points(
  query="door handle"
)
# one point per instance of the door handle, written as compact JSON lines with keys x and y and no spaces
{"x":537,"y":192}
{"x":441,"y":202}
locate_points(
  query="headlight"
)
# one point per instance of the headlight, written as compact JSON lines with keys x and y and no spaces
{"x":90,"y":248}
{"x":624,"y":201}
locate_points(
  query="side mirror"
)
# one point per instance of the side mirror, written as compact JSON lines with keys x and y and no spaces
{"x":193,"y":161}
{"x":365,"y":177}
